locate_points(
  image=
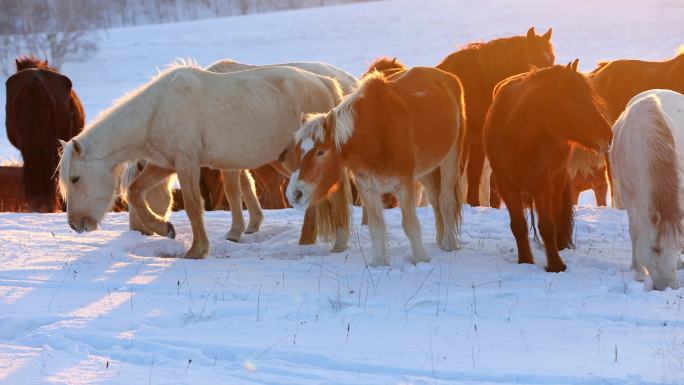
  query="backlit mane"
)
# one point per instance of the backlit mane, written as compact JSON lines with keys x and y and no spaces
{"x":64,"y":166}
{"x":584,"y":163}
{"x":24,"y":62}
{"x":313,"y":126}
{"x":663,"y":171}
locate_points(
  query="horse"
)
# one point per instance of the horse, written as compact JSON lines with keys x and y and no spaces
{"x":618,"y":81}
{"x":587,"y":170}
{"x":480,"y":67}
{"x":41,"y":109}
{"x":647,"y":163}
{"x":161,"y":123}
{"x":331,"y":219}
{"x":533,"y":119}
{"x":12,"y":197}
{"x":386,"y":65}
{"x":389,"y":132}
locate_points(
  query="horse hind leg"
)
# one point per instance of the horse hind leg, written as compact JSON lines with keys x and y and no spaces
{"x":232,"y":190}
{"x":431,"y":183}
{"x":376,"y":227}
{"x":410,"y":222}
{"x":256,"y":215}
{"x":451,"y":213}
{"x":340,"y":204}
{"x":475,"y":165}
{"x":563,"y":213}
{"x":150,"y":177}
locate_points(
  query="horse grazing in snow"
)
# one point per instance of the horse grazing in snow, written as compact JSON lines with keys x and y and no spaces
{"x":329,"y":220}
{"x":618,"y":81}
{"x":480,"y":67}
{"x":533,"y":119}
{"x":647,"y":162}
{"x":162,"y":123}
{"x":42,"y":108}
{"x":389,"y":132}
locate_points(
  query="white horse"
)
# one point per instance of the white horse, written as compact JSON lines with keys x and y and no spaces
{"x":183,"y":119}
{"x":236,"y":192}
{"x":647,"y":161}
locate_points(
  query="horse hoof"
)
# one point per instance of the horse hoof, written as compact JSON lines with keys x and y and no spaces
{"x":252,"y":229}
{"x":170,"y":231}
{"x":525,"y":261}
{"x":193,"y":254}
{"x":233,"y":237}
{"x":338,"y":249}
{"x":556,"y":268}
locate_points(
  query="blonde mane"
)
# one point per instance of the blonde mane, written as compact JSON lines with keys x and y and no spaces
{"x":583,"y":162}
{"x":314,"y":127}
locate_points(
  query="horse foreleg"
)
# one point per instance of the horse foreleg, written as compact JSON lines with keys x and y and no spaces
{"x":256,"y":216}
{"x":637,"y":266}
{"x":189,"y":182}
{"x":547,"y":228}
{"x":476,"y":159}
{"x":150,"y":177}
{"x":340,"y":203}
{"x":431,"y":183}
{"x":410,"y":222}
{"x":309,"y":227}
{"x":159,"y":199}
{"x":600,"y":187}
{"x":231,"y":187}
{"x":516,"y":212}
{"x":376,"y":226}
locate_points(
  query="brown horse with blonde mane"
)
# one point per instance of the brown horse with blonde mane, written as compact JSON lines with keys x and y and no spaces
{"x":480,"y":67}
{"x":42,"y":108}
{"x":389,"y":132}
{"x":617,"y":82}
{"x":533,"y":120}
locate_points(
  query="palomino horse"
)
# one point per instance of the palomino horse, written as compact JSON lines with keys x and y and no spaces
{"x":388,"y":133}
{"x":480,"y":67}
{"x":42,"y":108}
{"x":161,"y":123}
{"x":533,"y":119}
{"x":619,"y":81}
{"x":648,"y":161}
{"x":330,"y":220}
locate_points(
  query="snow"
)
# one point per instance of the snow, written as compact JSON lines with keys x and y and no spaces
{"x":111,"y":307}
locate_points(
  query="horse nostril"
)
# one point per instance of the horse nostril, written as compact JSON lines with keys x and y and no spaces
{"x":298,"y":195}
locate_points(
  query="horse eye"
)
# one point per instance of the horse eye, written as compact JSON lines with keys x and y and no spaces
{"x":74,"y":179}
{"x":656,"y":250}
{"x":320,"y":152}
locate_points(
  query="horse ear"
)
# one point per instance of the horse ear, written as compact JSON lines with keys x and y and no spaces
{"x":574,"y":65}
{"x":330,"y":122}
{"x":548,"y":33}
{"x":78,"y":150}
{"x":569,"y":66}
{"x":394,"y":61}
{"x":655,"y":218}
{"x":530,"y":33}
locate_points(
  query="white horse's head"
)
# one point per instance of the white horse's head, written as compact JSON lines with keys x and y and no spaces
{"x":87,"y":185}
{"x":658,"y":245}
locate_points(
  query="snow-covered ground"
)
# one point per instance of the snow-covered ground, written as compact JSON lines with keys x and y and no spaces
{"x":108,"y":308}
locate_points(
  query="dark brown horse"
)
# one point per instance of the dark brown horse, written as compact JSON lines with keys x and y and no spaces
{"x":12,"y":196}
{"x":529,"y":129}
{"x":617,"y":82}
{"x":480,"y":67}
{"x":41,"y":109}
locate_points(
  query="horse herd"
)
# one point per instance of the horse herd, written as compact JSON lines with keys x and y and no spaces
{"x":494,"y":121}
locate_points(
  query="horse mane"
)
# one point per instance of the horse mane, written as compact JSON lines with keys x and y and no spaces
{"x":386,"y":65}
{"x":64,"y":167}
{"x":663,"y":169}
{"x":314,"y":124}
{"x":583,"y":162}
{"x":24,"y":62}
{"x":494,"y":60}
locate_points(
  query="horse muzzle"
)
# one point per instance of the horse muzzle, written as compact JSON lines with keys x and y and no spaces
{"x":83,"y":224}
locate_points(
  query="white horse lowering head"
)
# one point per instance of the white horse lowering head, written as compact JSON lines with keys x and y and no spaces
{"x":87,"y":185}
{"x":658,"y":246}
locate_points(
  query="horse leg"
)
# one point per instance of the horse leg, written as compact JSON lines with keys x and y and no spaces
{"x":364,"y":214}
{"x":494,"y":197}
{"x":639,"y":269}
{"x":340,"y":202}
{"x":516,"y":212}
{"x":562,"y":211}
{"x":475,"y":165}
{"x":159,"y":199}
{"x":309,"y":227}
{"x":256,"y":216}
{"x":410,"y":222}
{"x":376,"y":226}
{"x":189,"y":178}
{"x":431,"y":183}
{"x":451,"y":214}
{"x":232,"y":190}
{"x":547,"y":228}
{"x":149,"y":177}
{"x":600,"y":187}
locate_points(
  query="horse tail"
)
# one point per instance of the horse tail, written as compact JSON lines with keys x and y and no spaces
{"x":459,"y":190}
{"x":334,"y":214}
{"x":40,"y":149}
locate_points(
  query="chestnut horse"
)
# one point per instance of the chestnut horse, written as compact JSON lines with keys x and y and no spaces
{"x":618,"y":81}
{"x":533,"y":119}
{"x":389,"y":132}
{"x":42,"y":108}
{"x":480,"y":67}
